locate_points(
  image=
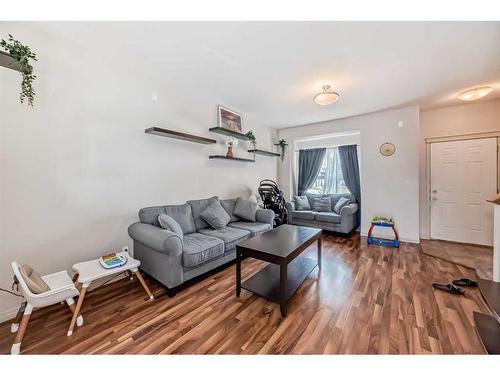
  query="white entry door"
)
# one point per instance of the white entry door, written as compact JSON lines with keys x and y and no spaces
{"x":463,"y":176}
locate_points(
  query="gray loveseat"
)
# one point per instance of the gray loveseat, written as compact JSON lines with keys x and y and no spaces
{"x":345,"y":222}
{"x":173,"y":260}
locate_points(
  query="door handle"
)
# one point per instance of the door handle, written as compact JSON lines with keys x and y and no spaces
{"x":434,"y":199}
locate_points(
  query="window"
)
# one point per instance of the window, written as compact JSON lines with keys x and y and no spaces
{"x":329,"y":180}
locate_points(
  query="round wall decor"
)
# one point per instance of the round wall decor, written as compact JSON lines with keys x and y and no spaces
{"x":387,"y":149}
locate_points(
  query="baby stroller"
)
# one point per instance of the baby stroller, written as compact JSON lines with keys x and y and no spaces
{"x":272,"y":198}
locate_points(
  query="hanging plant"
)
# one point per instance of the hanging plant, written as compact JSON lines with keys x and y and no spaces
{"x":22,"y":54}
{"x":253,"y":139}
{"x":282,"y":145}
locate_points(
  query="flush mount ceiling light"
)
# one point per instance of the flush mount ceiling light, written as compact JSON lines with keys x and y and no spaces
{"x":326,"y":97}
{"x":474,"y":94}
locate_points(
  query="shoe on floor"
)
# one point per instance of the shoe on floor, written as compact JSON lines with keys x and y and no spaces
{"x":449,"y":288}
{"x":465,"y":282}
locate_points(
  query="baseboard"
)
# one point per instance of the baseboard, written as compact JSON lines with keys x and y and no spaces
{"x":410,"y":240}
{"x":9,"y":314}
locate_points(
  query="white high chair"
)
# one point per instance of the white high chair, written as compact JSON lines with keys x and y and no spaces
{"x":61,"y":288}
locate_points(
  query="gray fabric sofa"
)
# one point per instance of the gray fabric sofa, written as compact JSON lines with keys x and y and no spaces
{"x":173,"y":260}
{"x":345,"y":222}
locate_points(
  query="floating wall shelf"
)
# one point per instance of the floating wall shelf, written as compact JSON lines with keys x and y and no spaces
{"x":8,"y":61}
{"x":265,"y":153}
{"x":229,"y":133}
{"x":178,"y":135}
{"x":233,"y":158}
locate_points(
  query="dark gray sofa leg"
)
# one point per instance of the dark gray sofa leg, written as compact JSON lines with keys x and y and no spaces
{"x":171,"y":292}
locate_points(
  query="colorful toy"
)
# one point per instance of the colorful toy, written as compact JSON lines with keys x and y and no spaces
{"x":112,"y":260}
{"x":383,"y":222}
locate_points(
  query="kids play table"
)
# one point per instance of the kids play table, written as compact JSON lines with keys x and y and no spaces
{"x":89,"y":271}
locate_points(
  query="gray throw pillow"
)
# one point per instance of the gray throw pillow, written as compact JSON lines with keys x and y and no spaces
{"x":228,"y":205}
{"x":301,"y":203}
{"x":322,"y":204}
{"x":245,"y":209}
{"x":168,"y":223}
{"x":215,"y":215}
{"x":183,"y":214}
{"x":342,"y":202}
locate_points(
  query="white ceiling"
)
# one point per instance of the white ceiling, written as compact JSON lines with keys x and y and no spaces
{"x":271,"y":70}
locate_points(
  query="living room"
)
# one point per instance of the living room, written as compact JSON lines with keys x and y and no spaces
{"x":234,"y":187}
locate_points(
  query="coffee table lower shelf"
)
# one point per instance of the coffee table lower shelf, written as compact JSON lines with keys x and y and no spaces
{"x":266,"y":282}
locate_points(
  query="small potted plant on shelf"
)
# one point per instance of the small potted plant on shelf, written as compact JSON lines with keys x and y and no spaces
{"x":253,"y":139}
{"x":282,"y":145}
{"x":22,"y":54}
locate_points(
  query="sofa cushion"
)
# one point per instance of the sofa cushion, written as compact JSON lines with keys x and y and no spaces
{"x":168,"y":223}
{"x":228,"y":205}
{"x":323,"y":204}
{"x":149,"y":215}
{"x":343,"y":201}
{"x":183,"y":215}
{"x":301,"y":203}
{"x":245,"y":209}
{"x":303,"y":215}
{"x":197,"y":206}
{"x":335,"y":198}
{"x":328,"y":217}
{"x":254,"y":228}
{"x":199,"y":248}
{"x":215,"y":215}
{"x":227,"y":234}
{"x":312,"y":197}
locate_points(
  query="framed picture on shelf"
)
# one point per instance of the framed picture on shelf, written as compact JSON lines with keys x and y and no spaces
{"x":230,"y":120}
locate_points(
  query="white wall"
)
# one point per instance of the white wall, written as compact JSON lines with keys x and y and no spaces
{"x":479,"y":117}
{"x":76,"y":168}
{"x":389,"y":185}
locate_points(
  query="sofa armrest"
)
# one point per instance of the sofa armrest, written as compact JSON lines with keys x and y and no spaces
{"x":350,"y":209}
{"x":290,"y":207}
{"x":158,"y":239}
{"x":265,"y":216}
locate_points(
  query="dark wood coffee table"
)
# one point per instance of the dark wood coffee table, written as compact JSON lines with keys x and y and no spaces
{"x":281,"y":247}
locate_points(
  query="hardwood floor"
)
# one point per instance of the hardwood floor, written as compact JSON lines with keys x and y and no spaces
{"x":366,"y":299}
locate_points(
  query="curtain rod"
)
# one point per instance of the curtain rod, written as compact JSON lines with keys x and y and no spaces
{"x":328,"y":148}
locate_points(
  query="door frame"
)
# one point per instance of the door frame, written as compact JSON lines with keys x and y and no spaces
{"x":453,"y":138}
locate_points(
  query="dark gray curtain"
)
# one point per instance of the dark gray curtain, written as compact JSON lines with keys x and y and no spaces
{"x":350,"y":172}
{"x":309,"y":166}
